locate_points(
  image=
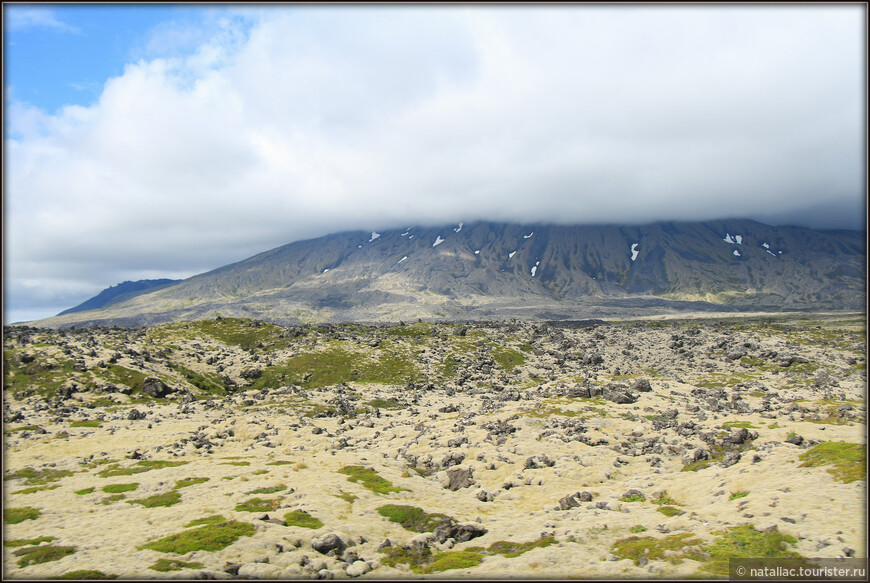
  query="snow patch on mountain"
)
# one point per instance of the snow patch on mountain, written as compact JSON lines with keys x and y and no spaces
{"x":736,"y":253}
{"x":459,"y":228}
{"x":438,"y":241}
{"x":511,"y":254}
{"x":634,"y":251}
{"x":374,"y":236}
{"x":529,"y":236}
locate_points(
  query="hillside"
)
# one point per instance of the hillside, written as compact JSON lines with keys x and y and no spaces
{"x":495,"y":270}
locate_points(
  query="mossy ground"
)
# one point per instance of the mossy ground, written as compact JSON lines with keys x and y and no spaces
{"x":84,"y":574}
{"x":848,"y":460}
{"x":16,"y":515}
{"x":21,"y":542}
{"x":411,"y":517}
{"x":302,"y":519}
{"x":268,"y":489}
{"x":164,"y":499}
{"x":42,"y":554}
{"x":747,"y":542}
{"x":118,"y":488}
{"x":256,"y":505}
{"x":165,"y":565}
{"x":185,"y":482}
{"x":212,"y":537}
{"x":214,"y":519}
{"x":369,"y":478}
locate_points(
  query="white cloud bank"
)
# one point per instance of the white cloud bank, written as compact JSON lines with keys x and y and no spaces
{"x":291,"y":122}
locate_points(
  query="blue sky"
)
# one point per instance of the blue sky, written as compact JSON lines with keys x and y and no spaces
{"x":167,"y":140}
{"x":58,"y":55}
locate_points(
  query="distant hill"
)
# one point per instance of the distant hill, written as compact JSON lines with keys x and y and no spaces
{"x":487,"y":270}
{"x":119,"y":293}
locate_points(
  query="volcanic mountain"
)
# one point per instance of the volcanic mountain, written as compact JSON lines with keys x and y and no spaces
{"x":487,"y":270}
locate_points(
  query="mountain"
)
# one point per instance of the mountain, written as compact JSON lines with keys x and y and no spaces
{"x":119,"y":293}
{"x":497,"y":270}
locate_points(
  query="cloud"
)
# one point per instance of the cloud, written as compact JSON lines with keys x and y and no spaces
{"x":21,"y":18}
{"x":253,"y":129}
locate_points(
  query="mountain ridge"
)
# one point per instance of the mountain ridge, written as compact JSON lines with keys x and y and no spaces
{"x":487,"y":269}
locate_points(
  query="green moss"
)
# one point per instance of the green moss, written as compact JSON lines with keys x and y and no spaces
{"x":235,"y":463}
{"x":301,"y":519}
{"x":255,"y":505}
{"x":185,"y":482}
{"x":214,"y":519}
{"x":280,"y":463}
{"x":512,"y":549}
{"x":212,"y":537}
{"x":368,"y":478}
{"x":86,"y":423}
{"x":141,"y":466}
{"x":347,"y":497}
{"x":453,"y":560}
{"x":118,"y":488}
{"x":84,"y":574}
{"x":391,"y":403}
{"x":24,"y":428}
{"x":633,"y":498}
{"x":849,"y":460}
{"x":35,"y":489}
{"x":38,"y":477}
{"x":738,"y":494}
{"x":664,"y":498}
{"x":85,"y":491}
{"x":42,"y":554}
{"x":739,"y":425}
{"x":508,"y":358}
{"x":411,"y":517}
{"x":268,"y":489}
{"x":208,"y":383}
{"x":164,"y":565}
{"x":673,"y":548}
{"x":638,"y":528}
{"x":21,"y":542}
{"x":165,"y":499}
{"x":16,"y":515}
{"x":669,"y":510}
{"x":112,"y":499}
{"x":424,"y":562}
{"x":745,"y":542}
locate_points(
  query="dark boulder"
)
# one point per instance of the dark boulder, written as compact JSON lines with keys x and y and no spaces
{"x":154,"y":387}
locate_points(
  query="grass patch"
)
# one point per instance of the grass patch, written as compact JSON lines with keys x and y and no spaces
{"x":214,"y":519}
{"x":118,"y":488}
{"x":164,"y":565}
{"x":745,"y":542}
{"x":739,"y":424}
{"x":235,"y":463}
{"x":268,"y":489}
{"x":669,"y":511}
{"x":301,"y":519}
{"x":112,"y":499}
{"x":185,"y":482}
{"x":369,"y":478}
{"x":256,"y":505}
{"x":212,"y":537}
{"x":41,"y":554}
{"x":85,"y":491}
{"x":638,"y":528}
{"x":280,"y":463}
{"x":22,"y":542}
{"x":738,"y":494}
{"x":141,"y":466}
{"x":673,"y":548}
{"x":411,"y":517}
{"x":512,"y":549}
{"x":508,"y":358}
{"x":84,"y":574}
{"x":38,"y":477}
{"x":848,"y":460}
{"x":347,"y":497}
{"x":391,"y":403}
{"x":86,"y":423}
{"x":633,"y":498}
{"x":35,"y":489}
{"x":16,"y":515}
{"x":165,"y":499}
{"x":424,"y":562}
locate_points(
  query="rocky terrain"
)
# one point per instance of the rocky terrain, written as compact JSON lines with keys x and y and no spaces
{"x":487,"y":271}
{"x":233,"y":448}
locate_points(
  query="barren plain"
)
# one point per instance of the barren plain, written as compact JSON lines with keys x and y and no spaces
{"x":235,"y":448}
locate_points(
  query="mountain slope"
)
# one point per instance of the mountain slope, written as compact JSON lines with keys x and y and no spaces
{"x":487,"y":270}
{"x":119,"y":293}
